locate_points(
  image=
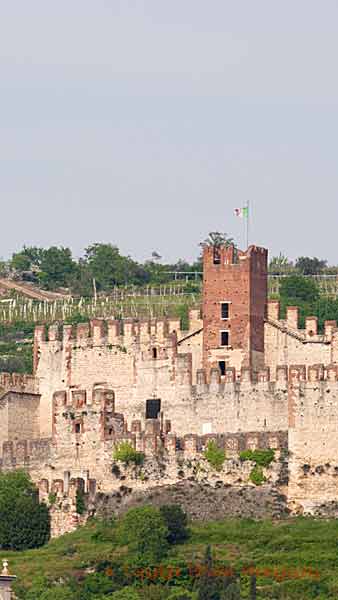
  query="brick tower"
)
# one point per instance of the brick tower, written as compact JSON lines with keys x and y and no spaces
{"x":234,"y":304}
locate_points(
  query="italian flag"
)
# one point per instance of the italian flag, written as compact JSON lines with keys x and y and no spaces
{"x":243,"y":213}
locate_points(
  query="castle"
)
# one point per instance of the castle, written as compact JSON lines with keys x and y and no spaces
{"x":240,"y":375}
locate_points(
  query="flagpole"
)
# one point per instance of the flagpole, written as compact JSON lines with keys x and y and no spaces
{"x":247,"y":224}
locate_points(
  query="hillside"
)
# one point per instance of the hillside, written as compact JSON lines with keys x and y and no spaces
{"x":288,"y":557}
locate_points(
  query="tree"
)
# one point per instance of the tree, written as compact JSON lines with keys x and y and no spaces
{"x":216,"y":239}
{"x":176,"y":521}
{"x":280,"y":265}
{"x":296,"y":289}
{"x":28,"y":258}
{"x":20,"y":262}
{"x":57,"y":267}
{"x":208,"y":588}
{"x":253,"y":587}
{"x":144,"y":531}
{"x":109,"y":268}
{"x":310,"y":266}
{"x":24,"y":522}
{"x":95,"y":585}
{"x":232,"y":592}
{"x":211,"y":587}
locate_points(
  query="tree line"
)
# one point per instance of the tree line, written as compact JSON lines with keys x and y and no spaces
{"x":102,"y":267}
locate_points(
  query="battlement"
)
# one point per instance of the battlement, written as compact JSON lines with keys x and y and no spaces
{"x":227,"y":256}
{"x":152,"y":336}
{"x":25,"y":454}
{"x":157,"y":436}
{"x":284,"y":375}
{"x":291,"y":323}
{"x":18,"y":382}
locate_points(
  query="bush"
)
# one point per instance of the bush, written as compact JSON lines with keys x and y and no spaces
{"x":128,"y":593}
{"x":24,"y":522}
{"x":176,"y":520}
{"x":181,"y":594}
{"x":263,"y":458}
{"x":214,"y":455}
{"x":80,"y":502}
{"x":257,"y":476}
{"x":96,"y":585}
{"x":144,"y":531}
{"x":125,"y":453}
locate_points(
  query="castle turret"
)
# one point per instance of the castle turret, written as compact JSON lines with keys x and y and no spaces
{"x":234,"y":305}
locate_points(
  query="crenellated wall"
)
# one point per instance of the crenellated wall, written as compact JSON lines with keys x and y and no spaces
{"x":286,"y":344}
{"x":18,"y":382}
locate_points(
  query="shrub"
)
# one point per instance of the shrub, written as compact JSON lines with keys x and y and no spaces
{"x":128,"y":593}
{"x":52,"y":498}
{"x":24,"y":522}
{"x":125,"y":453}
{"x":181,"y":594}
{"x":263,"y":458}
{"x":257,"y":476}
{"x":42,"y":589}
{"x":144,"y":531}
{"x":214,"y":455}
{"x":80,"y":502}
{"x":176,"y":520}
{"x":96,"y":585}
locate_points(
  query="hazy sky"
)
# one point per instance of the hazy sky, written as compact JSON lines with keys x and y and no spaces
{"x":145,"y":123}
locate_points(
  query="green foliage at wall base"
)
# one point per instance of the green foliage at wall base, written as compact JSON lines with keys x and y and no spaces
{"x":257,"y":475}
{"x":262,"y":457}
{"x":24,"y":522}
{"x":214,"y":455}
{"x":125,"y":453}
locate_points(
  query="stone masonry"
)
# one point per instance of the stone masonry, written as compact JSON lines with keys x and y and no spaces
{"x":240,"y":375}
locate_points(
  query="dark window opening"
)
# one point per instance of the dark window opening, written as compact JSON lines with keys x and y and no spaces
{"x":217,"y":256}
{"x":153,"y":408}
{"x":225,"y":310}
{"x":221,"y":366}
{"x":154,"y":352}
{"x":110,"y":432}
{"x":224,"y":338}
{"x":77,"y":427}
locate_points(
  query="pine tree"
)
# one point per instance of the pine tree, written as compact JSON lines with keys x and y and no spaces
{"x":232,"y":592}
{"x":253,"y":587}
{"x":208,"y":588}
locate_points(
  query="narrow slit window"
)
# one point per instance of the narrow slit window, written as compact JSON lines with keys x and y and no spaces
{"x":225,"y":310}
{"x":77,"y":427}
{"x":221,"y":366}
{"x":224,"y":338}
{"x":154,"y":353}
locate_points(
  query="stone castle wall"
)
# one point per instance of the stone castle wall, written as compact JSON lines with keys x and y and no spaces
{"x":286,"y":344}
{"x":138,"y":361}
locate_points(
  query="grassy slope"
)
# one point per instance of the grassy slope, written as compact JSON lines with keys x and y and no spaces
{"x":293,"y":544}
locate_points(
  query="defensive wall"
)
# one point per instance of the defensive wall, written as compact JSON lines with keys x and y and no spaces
{"x":285,"y":343}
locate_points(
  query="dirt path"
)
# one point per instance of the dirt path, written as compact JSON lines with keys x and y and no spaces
{"x":30,"y":290}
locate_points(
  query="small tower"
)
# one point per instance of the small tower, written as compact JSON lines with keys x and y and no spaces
{"x":234,"y":305}
{"x":6,"y":581}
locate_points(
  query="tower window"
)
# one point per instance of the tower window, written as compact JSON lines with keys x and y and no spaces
{"x":221,"y":366}
{"x":217,"y":256}
{"x":154,"y":352}
{"x":225,"y":310}
{"x":224,"y":338}
{"x":153,"y":408}
{"x":77,"y":427}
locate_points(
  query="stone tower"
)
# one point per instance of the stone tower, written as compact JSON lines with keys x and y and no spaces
{"x":234,"y":305}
